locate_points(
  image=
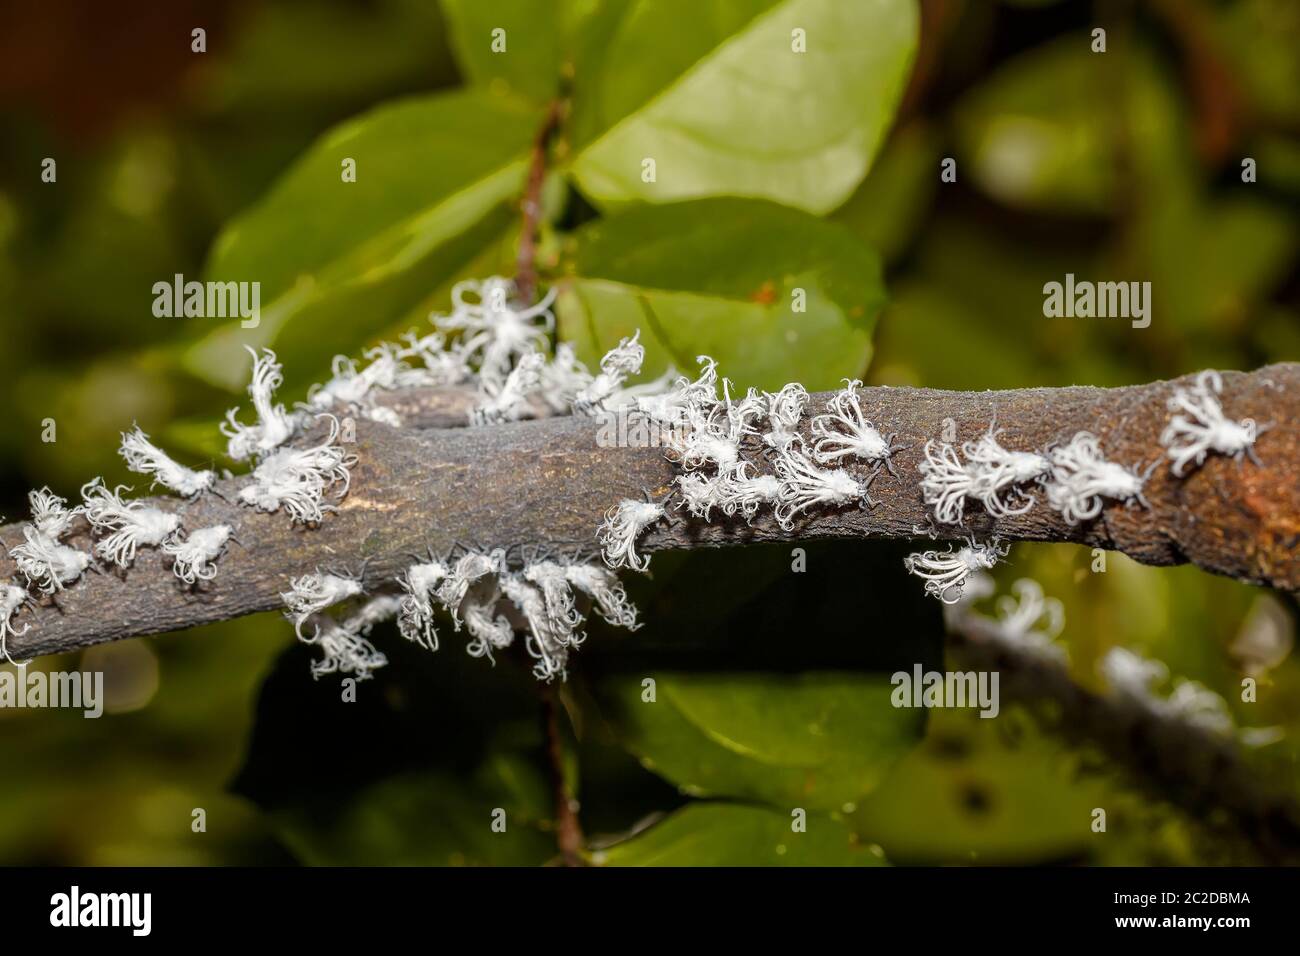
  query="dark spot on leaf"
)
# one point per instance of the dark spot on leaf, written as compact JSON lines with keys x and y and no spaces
{"x":950,"y":747}
{"x":976,"y":800}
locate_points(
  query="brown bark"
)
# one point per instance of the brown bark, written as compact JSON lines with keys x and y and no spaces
{"x":547,"y":483}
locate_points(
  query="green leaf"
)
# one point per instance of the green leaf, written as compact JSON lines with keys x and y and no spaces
{"x":1039,"y":133}
{"x":337,"y":260}
{"x":291,"y":59}
{"x":718,"y":97}
{"x":441,"y":742}
{"x":429,"y":820}
{"x":1258,"y":39}
{"x":978,"y":793}
{"x":1047,"y":131}
{"x":719,"y":276}
{"x":816,"y":740}
{"x":524,"y":58}
{"x":727,"y":834}
{"x":1217,"y":260}
{"x":887,"y":210}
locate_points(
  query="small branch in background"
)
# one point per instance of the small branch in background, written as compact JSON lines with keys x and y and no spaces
{"x":1214,"y":88}
{"x":938,"y":17}
{"x":568,"y":829}
{"x":1185,"y":763}
{"x":526,"y":271}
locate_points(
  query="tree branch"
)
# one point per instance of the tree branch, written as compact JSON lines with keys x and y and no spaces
{"x":526,"y":270}
{"x":1203,"y":773}
{"x":568,"y":829}
{"x":548,"y":483}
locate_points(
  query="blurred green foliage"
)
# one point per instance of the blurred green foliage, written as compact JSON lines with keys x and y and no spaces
{"x":774,"y":171}
{"x":718,"y":277}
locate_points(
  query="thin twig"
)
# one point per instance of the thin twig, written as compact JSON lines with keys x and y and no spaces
{"x":526,"y":271}
{"x":568,"y":829}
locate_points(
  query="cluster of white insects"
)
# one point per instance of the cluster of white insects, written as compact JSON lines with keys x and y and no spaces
{"x":1028,"y":622}
{"x":1076,"y":478}
{"x":717,"y":440}
{"x":500,"y":350}
{"x":722,"y":444}
{"x":737,"y":456}
{"x":295,"y":479}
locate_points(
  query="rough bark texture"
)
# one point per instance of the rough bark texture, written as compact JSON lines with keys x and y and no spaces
{"x":547,"y":483}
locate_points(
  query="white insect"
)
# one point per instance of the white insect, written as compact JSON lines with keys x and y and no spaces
{"x":1134,"y":678}
{"x":343,"y":643}
{"x":50,"y":514}
{"x":495,"y":332}
{"x":415,"y":619}
{"x":714,"y":433}
{"x":805,"y":486}
{"x":12,"y":598}
{"x":622,"y":526}
{"x":619,"y":364}
{"x":1027,"y":621}
{"x":347,"y":387}
{"x":384,"y":415}
{"x":1000,"y":474}
{"x":1082,"y":478}
{"x":128,"y":524}
{"x":737,"y":492}
{"x":630,"y":395}
{"x":312,"y":593}
{"x":561,"y":614}
{"x":377,"y":610}
{"x":562,"y":379}
{"x":297,"y":478}
{"x":46,"y":563}
{"x":991,"y":475}
{"x":686,"y":399}
{"x":490,"y":630}
{"x":542,"y":643}
{"x":701,"y":493}
{"x":747,"y":494}
{"x":274,"y":426}
{"x":844,"y":432}
{"x":605,"y":589}
{"x":946,"y":572}
{"x":1131,"y":674}
{"x":704,"y":443}
{"x":509,"y":402}
{"x":468,"y":569}
{"x":444,"y":364}
{"x":1030,"y":618}
{"x":784,"y":411}
{"x":345,"y":652}
{"x":944,"y":482}
{"x":1203,"y":428}
{"x":145,"y":458}
{"x":194,"y":554}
